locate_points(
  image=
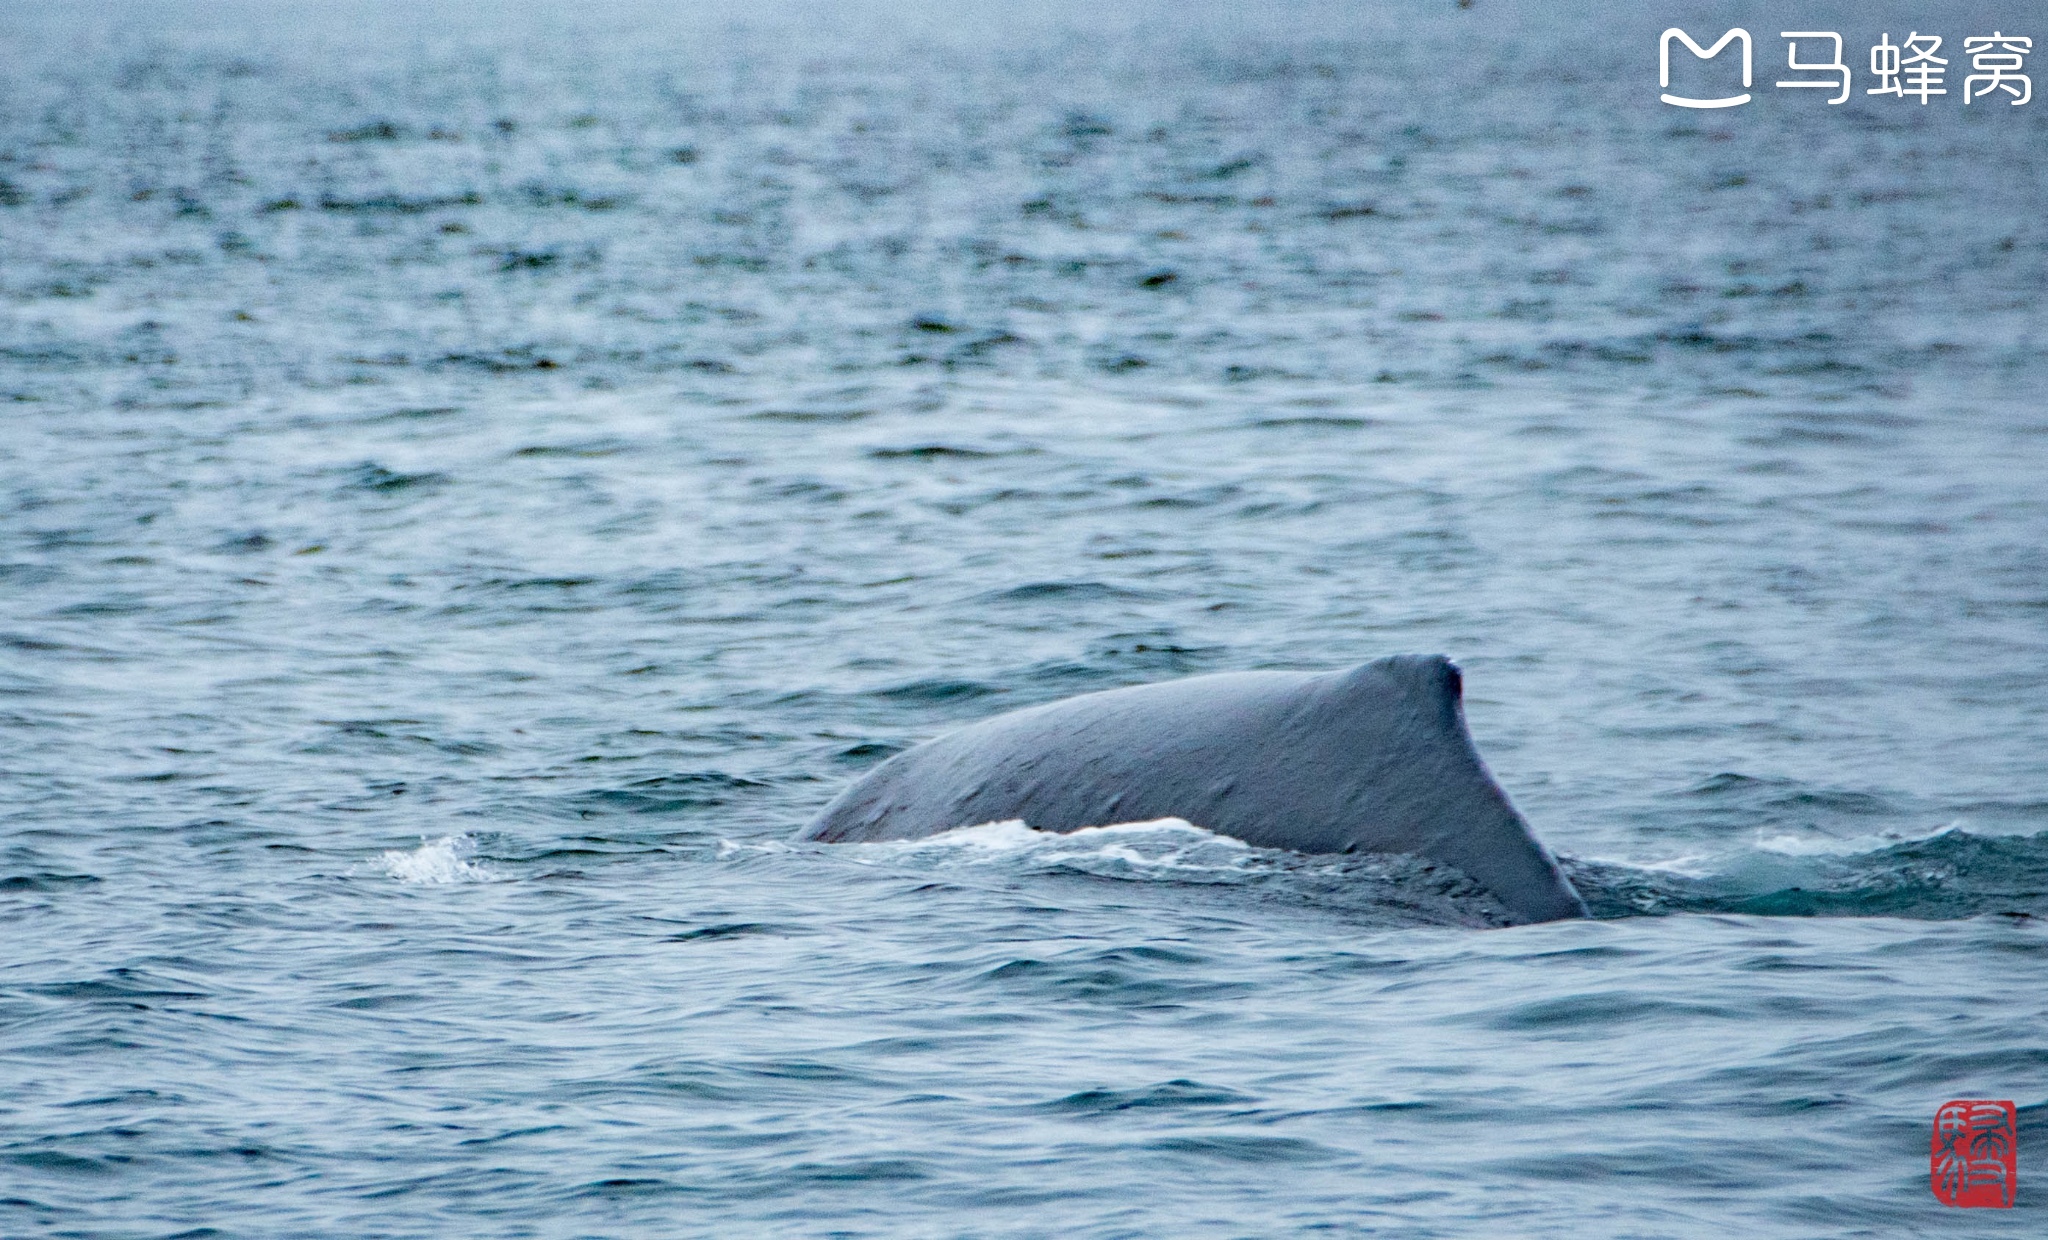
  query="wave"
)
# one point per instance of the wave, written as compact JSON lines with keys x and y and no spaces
{"x":1947,"y":874}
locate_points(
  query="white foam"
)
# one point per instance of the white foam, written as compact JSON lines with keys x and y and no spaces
{"x":1115,"y":849}
{"x":437,"y":862}
{"x":1120,"y":840}
{"x":1014,"y":833}
{"x":1826,"y":846}
{"x":1688,"y":865}
{"x":728,"y":849}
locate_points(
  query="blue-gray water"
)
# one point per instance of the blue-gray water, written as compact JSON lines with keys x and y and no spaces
{"x":474,"y":482}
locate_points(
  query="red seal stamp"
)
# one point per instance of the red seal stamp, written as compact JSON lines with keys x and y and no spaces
{"x":1976,"y":1153}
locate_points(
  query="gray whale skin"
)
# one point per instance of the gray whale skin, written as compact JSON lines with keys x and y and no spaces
{"x":1374,"y":759}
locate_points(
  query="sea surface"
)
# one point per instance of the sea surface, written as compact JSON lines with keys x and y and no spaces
{"x":474,"y":480}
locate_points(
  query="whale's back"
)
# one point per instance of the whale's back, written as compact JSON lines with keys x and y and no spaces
{"x":1374,"y":759}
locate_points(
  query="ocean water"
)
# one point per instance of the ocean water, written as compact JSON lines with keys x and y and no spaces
{"x":474,"y":480}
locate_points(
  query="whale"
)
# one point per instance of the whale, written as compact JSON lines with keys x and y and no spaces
{"x":1373,"y":759}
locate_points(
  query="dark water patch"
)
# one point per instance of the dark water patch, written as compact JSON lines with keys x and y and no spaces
{"x":62,"y":538}
{"x":543,"y":583}
{"x":938,"y":690}
{"x":1329,"y":422}
{"x":931,"y":452}
{"x":530,"y":595}
{"x":803,"y":416}
{"x":111,"y":607}
{"x":1775,"y":963}
{"x":26,"y":575}
{"x":510,"y":361}
{"x":659,"y":1086}
{"x":1851,"y":419}
{"x":1806,"y":436}
{"x":1672,"y":1165}
{"x":1173,"y":198}
{"x":660,"y":584}
{"x":1731,"y":782}
{"x":121,"y":985}
{"x":1589,"y":1014}
{"x":1102,"y":980}
{"x":247,"y":544}
{"x":393,"y":736}
{"x":805,"y":1070}
{"x":1120,"y":656}
{"x":381,"y":1003}
{"x":1065,"y":591}
{"x":524,"y":260}
{"x":1249,"y":1149}
{"x":1699,"y":338}
{"x":371,"y":131}
{"x":730,"y":930}
{"x":602,"y":851}
{"x":1833,"y":801}
{"x":394,"y":204}
{"x":1590,"y":955}
{"x":1202,"y":498}
{"x":126,"y":1097}
{"x":857,"y":1171}
{"x":537,"y":195}
{"x":375,"y":478}
{"x":47,"y":882}
{"x":629,"y":1187}
{"x":1175,"y":1095}
{"x":867,"y":753}
{"x":514,"y":1134}
{"x":422,"y":414}
{"x":670,"y":794}
{"x":589,"y":450}
{"x":61,"y":1163}
{"x":1823,"y":368}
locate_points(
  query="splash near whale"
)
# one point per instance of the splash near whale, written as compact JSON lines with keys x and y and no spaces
{"x":1376,"y":759}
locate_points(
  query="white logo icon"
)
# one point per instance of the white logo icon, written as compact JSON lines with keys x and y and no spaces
{"x":1704,"y":53}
